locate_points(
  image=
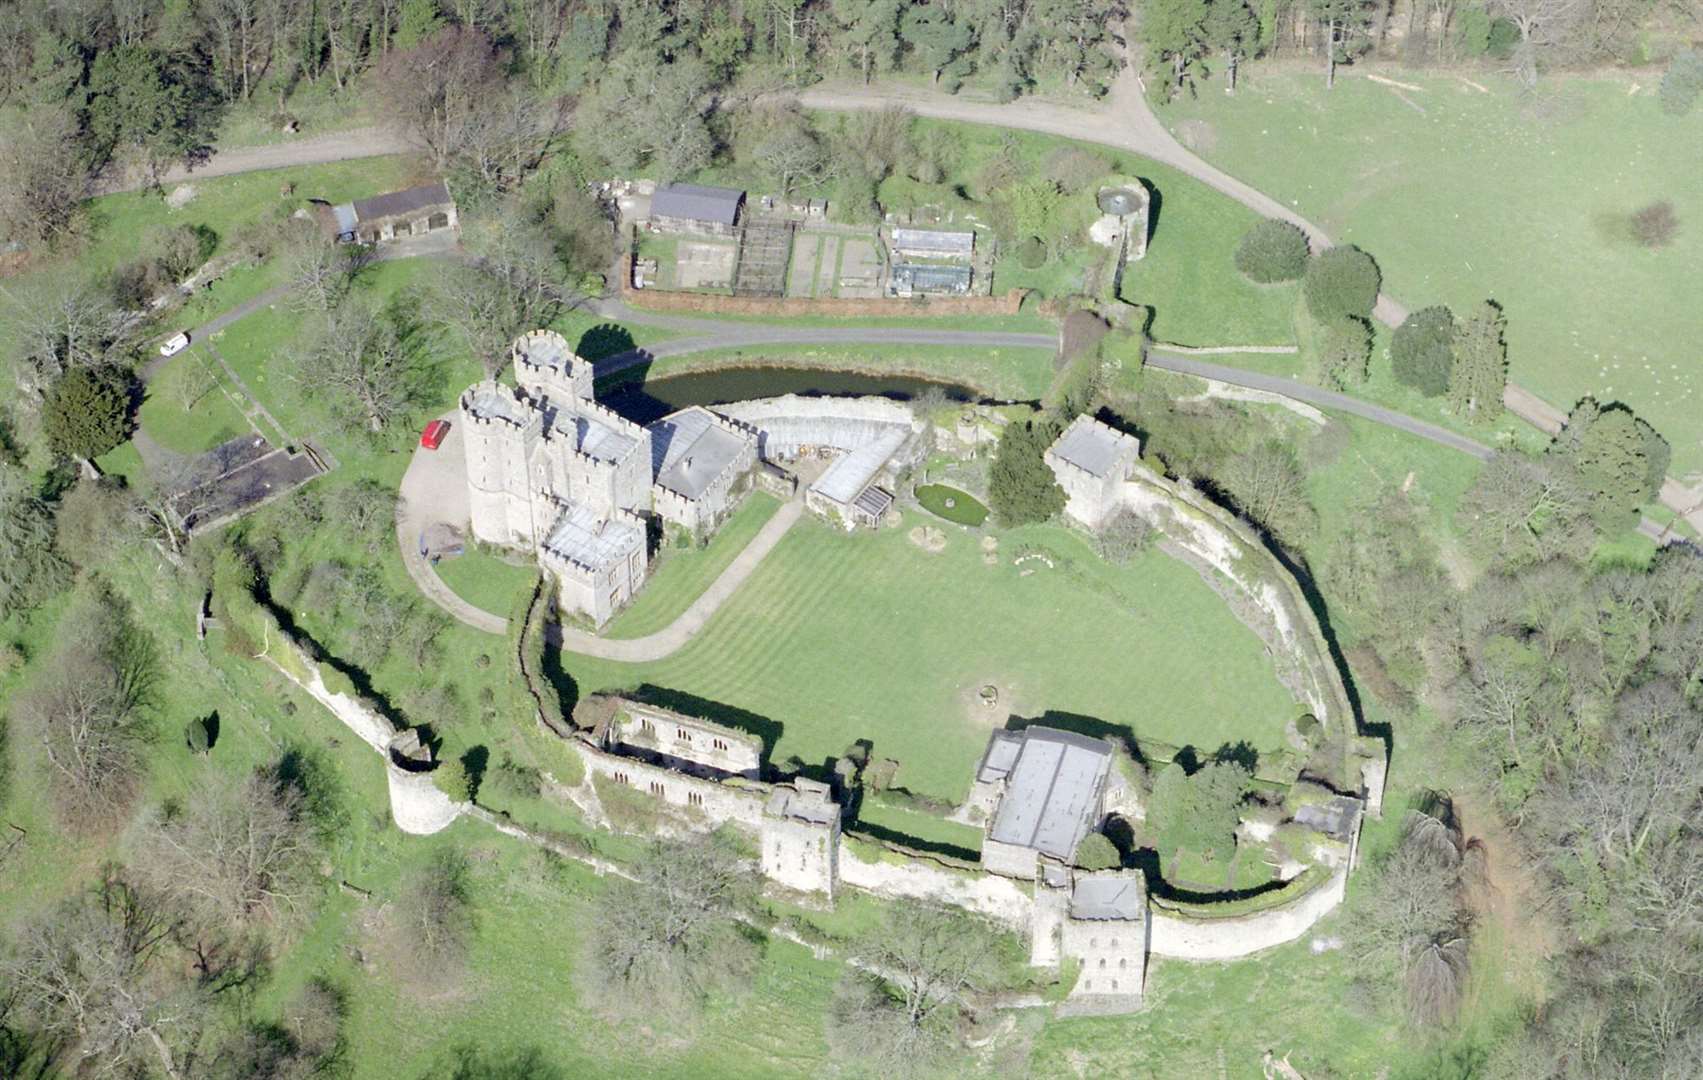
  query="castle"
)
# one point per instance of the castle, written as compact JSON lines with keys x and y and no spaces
{"x":551,"y":470}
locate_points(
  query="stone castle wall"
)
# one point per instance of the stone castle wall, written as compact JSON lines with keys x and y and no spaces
{"x":1186,"y":937}
{"x":792,"y":424}
{"x":998,"y":898}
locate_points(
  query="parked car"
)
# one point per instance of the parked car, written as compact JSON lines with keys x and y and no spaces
{"x":175,"y":344}
{"x":433,"y":436}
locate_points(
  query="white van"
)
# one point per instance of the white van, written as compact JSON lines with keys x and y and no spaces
{"x":175,"y":345}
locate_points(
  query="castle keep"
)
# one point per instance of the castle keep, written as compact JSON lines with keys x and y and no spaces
{"x":551,"y":470}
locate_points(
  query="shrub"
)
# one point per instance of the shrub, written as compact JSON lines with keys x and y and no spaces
{"x":1342,"y":282}
{"x":1504,"y":36}
{"x":87,"y":414}
{"x":1272,"y":251}
{"x":1422,"y":350}
{"x":455,"y":780}
{"x":1682,"y":82}
{"x":1097,"y":852}
{"x":1032,"y":253}
{"x":1654,"y":226}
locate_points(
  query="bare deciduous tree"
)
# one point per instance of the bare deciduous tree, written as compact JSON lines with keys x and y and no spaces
{"x":360,"y":364}
{"x":896,"y":1013}
{"x":238,"y":851}
{"x":87,"y":978}
{"x":43,"y":179}
{"x":433,"y":917}
{"x":87,"y":709}
{"x":512,"y":286}
{"x":437,"y":91}
{"x":59,"y":322}
{"x":667,"y":939}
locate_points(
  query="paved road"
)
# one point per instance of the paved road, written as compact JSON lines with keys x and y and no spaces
{"x":314,"y":150}
{"x":1314,"y":395}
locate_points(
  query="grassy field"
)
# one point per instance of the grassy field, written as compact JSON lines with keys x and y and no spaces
{"x":838,"y":637}
{"x":1484,"y":194}
{"x":679,"y":576}
{"x":208,"y":420}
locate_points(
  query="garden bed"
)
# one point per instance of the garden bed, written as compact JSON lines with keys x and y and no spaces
{"x":959,"y":507}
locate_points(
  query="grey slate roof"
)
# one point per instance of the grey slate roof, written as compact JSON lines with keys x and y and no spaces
{"x":846,"y":478}
{"x":597,"y":439}
{"x":1053,"y":791}
{"x":1108,"y":896}
{"x":494,"y":401}
{"x":581,"y":536}
{"x":932,"y":241}
{"x":402,"y":202}
{"x":1334,"y":818}
{"x":1094,"y":447}
{"x":688,"y":450}
{"x":695,"y":202}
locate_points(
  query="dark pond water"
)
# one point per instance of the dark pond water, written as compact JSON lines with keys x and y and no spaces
{"x":655,"y":398}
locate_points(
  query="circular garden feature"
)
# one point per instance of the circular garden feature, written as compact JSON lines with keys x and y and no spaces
{"x":958,"y":507}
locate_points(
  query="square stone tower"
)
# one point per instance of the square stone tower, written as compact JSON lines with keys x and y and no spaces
{"x":800,"y":838}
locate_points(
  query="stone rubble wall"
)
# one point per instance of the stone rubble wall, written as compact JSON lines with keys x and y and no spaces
{"x":1184,"y":938}
{"x":417,"y":805}
{"x":844,"y":307}
{"x":1000,"y":899}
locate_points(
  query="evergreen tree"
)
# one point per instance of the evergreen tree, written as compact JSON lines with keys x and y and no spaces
{"x":1619,"y":460}
{"x":1271,"y":251}
{"x":1176,"y":36}
{"x":1021,"y":488}
{"x":1342,"y":281}
{"x":87,"y":414}
{"x":1480,"y":370}
{"x":1422,"y":350}
{"x":1198,"y":811}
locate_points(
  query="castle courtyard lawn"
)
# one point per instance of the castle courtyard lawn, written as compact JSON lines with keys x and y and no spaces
{"x":1485,"y":194}
{"x":678,"y":576}
{"x":841,"y":637}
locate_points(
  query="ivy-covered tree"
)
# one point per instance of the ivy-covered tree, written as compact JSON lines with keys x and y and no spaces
{"x":87,"y":414}
{"x":1343,"y":345}
{"x":1479,"y":373}
{"x":1021,"y":488}
{"x":1422,"y":350}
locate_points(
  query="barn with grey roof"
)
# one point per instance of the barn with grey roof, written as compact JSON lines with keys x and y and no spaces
{"x":1046,"y":789}
{"x":696,"y":208}
{"x":413,"y":211}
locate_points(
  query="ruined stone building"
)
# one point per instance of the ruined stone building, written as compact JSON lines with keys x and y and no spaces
{"x":801,"y":837}
{"x":1091,"y":460}
{"x":688,"y":744}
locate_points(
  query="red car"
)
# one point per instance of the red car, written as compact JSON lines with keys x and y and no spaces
{"x":433,"y":436}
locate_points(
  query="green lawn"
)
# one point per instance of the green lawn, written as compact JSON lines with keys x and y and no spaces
{"x":1487,"y":195}
{"x":843,"y":637}
{"x":916,"y":829}
{"x":209,"y":419}
{"x":965,"y":509}
{"x":486,"y":580}
{"x":679,"y":576}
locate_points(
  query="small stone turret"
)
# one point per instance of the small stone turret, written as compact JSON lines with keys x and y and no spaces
{"x":549,"y":370}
